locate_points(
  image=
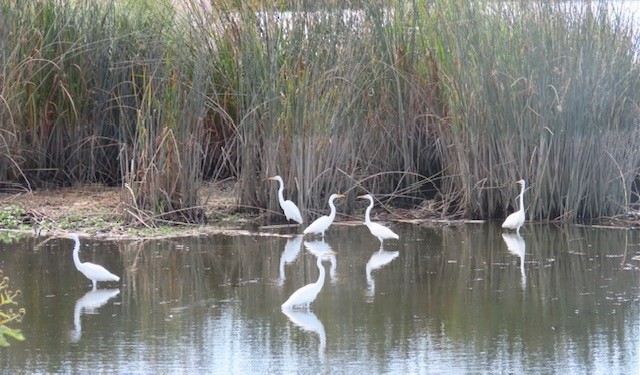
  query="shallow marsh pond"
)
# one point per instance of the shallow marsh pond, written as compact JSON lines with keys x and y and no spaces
{"x":440,"y":299}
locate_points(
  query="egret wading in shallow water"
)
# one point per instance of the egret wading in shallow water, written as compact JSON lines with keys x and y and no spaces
{"x":376,"y":229}
{"x":309,"y":292}
{"x":516,"y":219}
{"x":321,"y":224}
{"x":290,"y":209}
{"x":93,"y":272}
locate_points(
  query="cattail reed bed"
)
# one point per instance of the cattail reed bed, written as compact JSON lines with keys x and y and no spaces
{"x":411,"y":101}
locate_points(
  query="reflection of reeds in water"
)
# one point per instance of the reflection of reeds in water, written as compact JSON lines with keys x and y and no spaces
{"x":161,"y":271}
{"x":465,"y":286}
{"x":569,"y":272}
{"x":173,"y":275}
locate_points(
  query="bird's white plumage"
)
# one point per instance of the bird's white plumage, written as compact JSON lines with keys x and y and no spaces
{"x":93,"y":272}
{"x":308,"y":293}
{"x":516,"y":219}
{"x":378,"y":230}
{"x":321,"y":224}
{"x":291,"y":211}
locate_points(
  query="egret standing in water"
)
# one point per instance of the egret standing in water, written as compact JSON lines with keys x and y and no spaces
{"x":290,"y":209}
{"x":516,"y":219}
{"x":376,"y":229}
{"x":309,"y":292}
{"x":93,"y":272}
{"x":321,"y":224}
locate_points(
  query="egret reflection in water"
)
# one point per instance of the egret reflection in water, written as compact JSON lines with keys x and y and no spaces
{"x":378,"y":260}
{"x":321,"y":248}
{"x":308,"y":321}
{"x":517,"y":246}
{"x":89,"y":303}
{"x":289,"y":255}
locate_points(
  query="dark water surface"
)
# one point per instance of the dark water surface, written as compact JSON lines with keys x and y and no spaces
{"x":458,"y":298}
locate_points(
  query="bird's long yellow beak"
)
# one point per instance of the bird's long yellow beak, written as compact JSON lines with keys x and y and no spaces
{"x":362,"y":196}
{"x":340,"y":196}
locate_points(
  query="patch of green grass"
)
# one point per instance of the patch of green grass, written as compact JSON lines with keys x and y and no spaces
{"x":11,"y":217}
{"x":159,"y":231}
{"x":91,"y":224}
{"x":8,"y":237}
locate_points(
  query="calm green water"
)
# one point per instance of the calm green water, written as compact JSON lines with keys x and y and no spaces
{"x":438,"y":300}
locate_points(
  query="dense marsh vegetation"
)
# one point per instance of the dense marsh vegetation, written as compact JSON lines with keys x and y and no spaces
{"x":408,"y":100}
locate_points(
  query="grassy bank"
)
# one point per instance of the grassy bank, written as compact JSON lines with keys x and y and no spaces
{"x":410,"y":101}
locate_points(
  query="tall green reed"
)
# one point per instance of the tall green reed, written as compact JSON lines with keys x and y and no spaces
{"x":56,"y":94}
{"x":541,"y":91}
{"x":317,"y":103}
{"x":402,"y":99}
{"x":93,"y":93}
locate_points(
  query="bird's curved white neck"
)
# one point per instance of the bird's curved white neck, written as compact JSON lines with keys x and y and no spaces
{"x":332,"y":215}
{"x":367,"y":214}
{"x":522,"y":198}
{"x":281,"y":191}
{"x":76,"y":251}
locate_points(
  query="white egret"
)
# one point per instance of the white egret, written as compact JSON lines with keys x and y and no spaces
{"x":376,"y":229}
{"x":321,"y":224}
{"x":516,"y":219}
{"x":93,"y":272}
{"x":309,"y":292}
{"x":290,"y":209}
